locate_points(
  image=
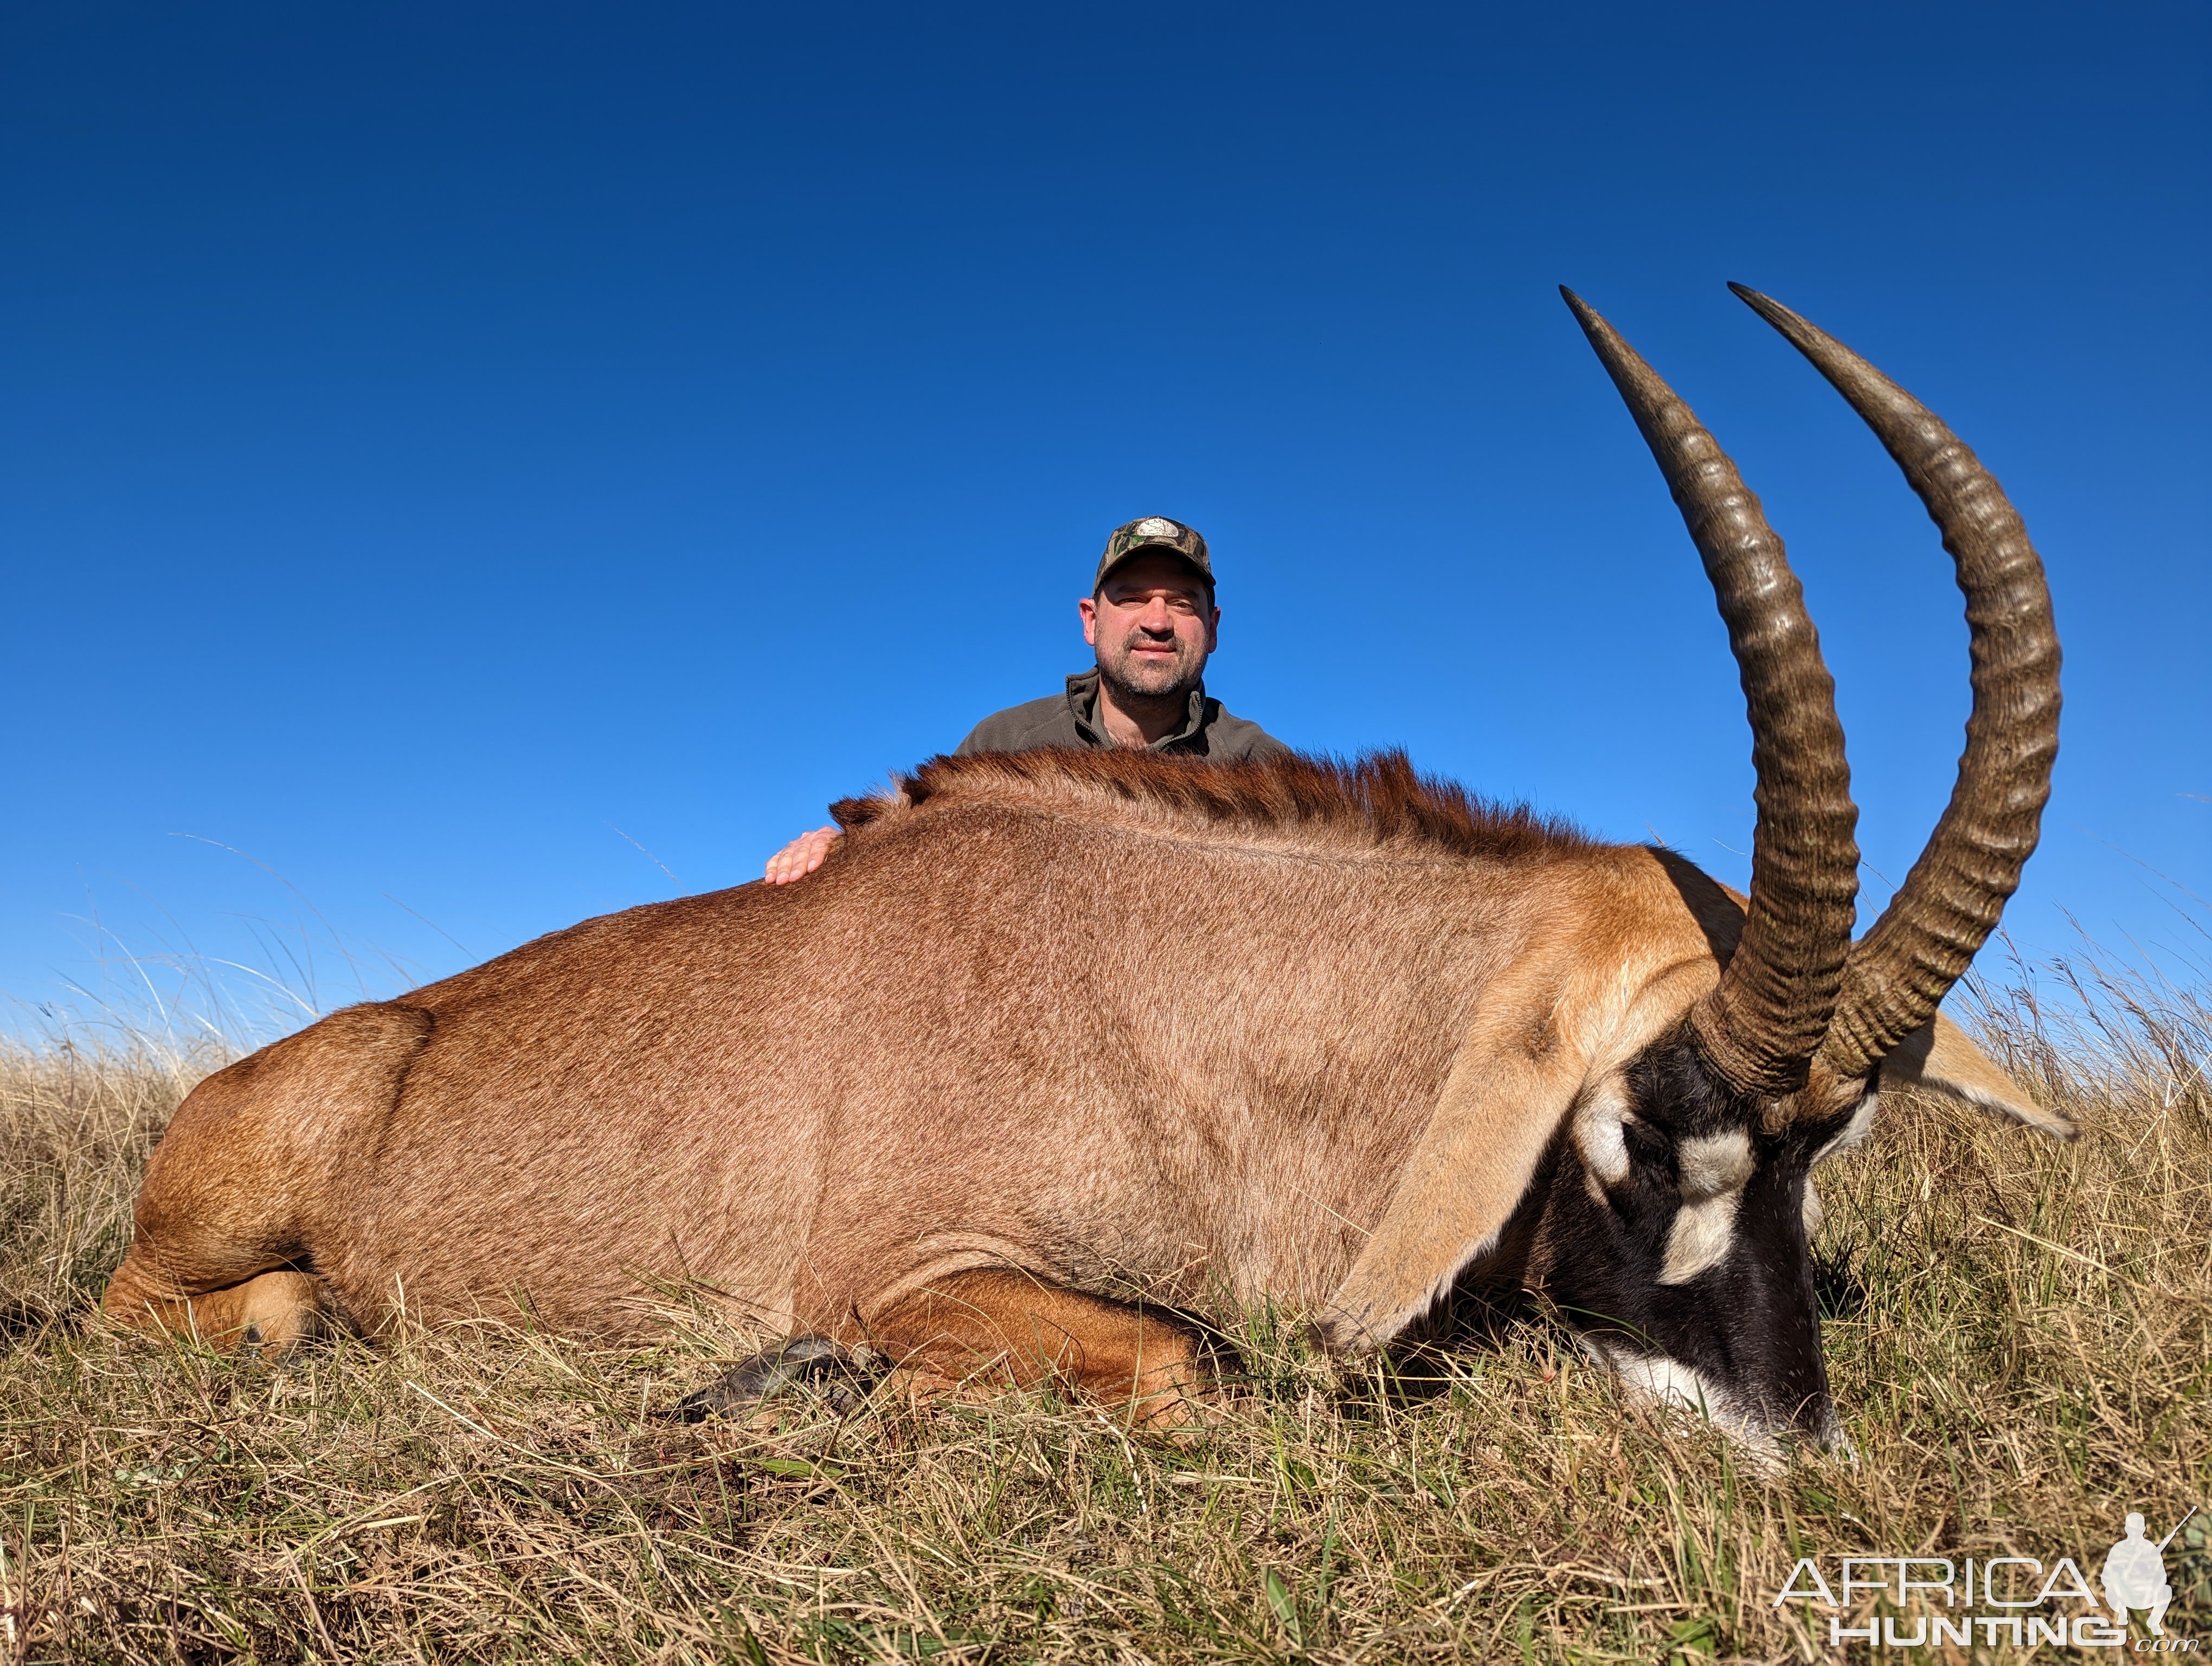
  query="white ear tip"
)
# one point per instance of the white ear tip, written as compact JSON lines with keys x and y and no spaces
{"x":1941,"y":1058}
{"x":2050,"y":1123}
{"x":2019,"y":1108}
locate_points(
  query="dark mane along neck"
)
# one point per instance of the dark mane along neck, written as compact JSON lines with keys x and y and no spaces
{"x":1374,"y":800}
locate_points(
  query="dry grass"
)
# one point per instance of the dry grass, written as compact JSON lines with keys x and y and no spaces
{"x":2018,"y":1332}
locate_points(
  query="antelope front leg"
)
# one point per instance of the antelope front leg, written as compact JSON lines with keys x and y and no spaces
{"x":993,"y":1326}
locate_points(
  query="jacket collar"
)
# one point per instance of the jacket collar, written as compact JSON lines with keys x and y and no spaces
{"x":1083,"y":704}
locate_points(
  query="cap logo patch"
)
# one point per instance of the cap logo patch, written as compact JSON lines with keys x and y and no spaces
{"x":1155,"y":528}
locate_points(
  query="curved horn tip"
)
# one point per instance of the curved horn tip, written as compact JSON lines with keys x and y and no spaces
{"x":1770,"y":309}
{"x":1602,"y":336}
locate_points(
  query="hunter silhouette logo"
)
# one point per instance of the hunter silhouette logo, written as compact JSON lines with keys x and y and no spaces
{"x":2135,"y":1573}
{"x":1999,"y":1599}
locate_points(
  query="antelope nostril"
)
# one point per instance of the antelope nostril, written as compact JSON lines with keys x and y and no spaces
{"x":1828,"y":1433}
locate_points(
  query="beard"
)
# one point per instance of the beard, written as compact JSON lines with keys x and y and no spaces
{"x":1151,"y":681}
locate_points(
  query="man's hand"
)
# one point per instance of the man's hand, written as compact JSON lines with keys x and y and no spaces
{"x":802,"y":855}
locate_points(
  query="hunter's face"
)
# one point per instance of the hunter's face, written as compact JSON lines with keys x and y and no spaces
{"x":1152,"y":623}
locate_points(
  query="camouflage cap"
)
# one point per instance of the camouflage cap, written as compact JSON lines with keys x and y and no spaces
{"x":1154,"y":532}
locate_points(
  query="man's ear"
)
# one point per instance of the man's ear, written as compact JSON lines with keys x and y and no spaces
{"x":1087,"y":607}
{"x":1938,"y":1058}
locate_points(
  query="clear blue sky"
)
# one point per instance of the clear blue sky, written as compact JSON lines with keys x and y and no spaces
{"x":435,"y":437}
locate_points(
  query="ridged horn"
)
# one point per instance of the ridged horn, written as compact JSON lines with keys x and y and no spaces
{"x":1950,"y":901}
{"x":1761,"y":1026}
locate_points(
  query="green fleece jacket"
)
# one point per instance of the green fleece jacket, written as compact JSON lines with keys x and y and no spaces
{"x":1072,"y":720}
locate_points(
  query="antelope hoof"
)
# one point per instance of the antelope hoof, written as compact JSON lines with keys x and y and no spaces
{"x":837,"y":1377}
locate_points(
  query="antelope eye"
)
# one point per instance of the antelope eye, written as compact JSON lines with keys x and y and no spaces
{"x":1650,"y":1148}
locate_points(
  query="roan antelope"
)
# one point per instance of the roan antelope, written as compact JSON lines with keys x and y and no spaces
{"x":959,"y":1100}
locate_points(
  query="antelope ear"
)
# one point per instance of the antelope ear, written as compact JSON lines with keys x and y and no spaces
{"x":1500,"y":1108}
{"x":1938,"y":1058}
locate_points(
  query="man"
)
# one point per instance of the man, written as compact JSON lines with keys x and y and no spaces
{"x":1151,"y":619}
